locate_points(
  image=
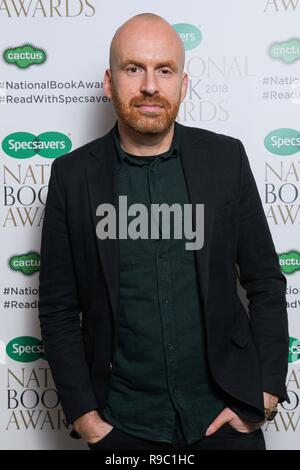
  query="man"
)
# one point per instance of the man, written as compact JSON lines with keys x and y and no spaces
{"x":165,"y":355}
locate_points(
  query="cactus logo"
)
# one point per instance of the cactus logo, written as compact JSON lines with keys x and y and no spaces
{"x":286,"y":51}
{"x":25,"y":145}
{"x":28,"y":264}
{"x":294,"y":350}
{"x":24,"y":56}
{"x":190,"y":35}
{"x":25,"y":349}
{"x":289,"y":262}
{"x":283,"y":141}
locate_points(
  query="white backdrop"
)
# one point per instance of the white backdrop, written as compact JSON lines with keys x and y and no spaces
{"x":243,"y":63}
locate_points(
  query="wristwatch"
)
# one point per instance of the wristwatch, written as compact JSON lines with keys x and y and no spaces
{"x":270,"y":413}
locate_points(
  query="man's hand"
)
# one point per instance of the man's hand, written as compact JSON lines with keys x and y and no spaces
{"x":91,"y":427}
{"x":228,"y":416}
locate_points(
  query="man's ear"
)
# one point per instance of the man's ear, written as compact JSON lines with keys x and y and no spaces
{"x":107,"y":83}
{"x":184,"y":86}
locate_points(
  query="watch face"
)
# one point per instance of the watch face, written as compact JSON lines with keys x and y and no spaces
{"x":270,"y":416}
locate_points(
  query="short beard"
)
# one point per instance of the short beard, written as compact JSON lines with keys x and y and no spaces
{"x":146,"y":124}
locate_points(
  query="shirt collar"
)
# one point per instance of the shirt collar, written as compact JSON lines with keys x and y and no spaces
{"x":172,"y":152}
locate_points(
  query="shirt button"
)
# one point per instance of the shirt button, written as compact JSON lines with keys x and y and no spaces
{"x":166,"y":301}
{"x":170,"y":346}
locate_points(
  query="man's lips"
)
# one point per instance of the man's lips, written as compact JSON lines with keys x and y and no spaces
{"x":149,"y":107}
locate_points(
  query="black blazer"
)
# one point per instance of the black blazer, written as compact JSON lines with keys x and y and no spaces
{"x":79,"y":277}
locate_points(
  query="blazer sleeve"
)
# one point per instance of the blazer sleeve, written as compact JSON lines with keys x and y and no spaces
{"x":265,"y":285}
{"x":59,"y":309}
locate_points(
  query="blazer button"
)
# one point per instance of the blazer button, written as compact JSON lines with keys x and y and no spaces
{"x":110,"y":365}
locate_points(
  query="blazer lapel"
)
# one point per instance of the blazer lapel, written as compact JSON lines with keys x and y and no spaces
{"x":101,"y":182}
{"x":199,"y":175}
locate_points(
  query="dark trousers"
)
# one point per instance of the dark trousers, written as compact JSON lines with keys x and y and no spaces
{"x":226,"y":438}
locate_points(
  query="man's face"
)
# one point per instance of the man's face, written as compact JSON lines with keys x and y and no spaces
{"x":146,"y":82}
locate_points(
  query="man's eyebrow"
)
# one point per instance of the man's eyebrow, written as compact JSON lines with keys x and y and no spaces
{"x":168,"y":63}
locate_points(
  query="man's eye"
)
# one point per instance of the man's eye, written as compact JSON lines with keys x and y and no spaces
{"x":165,"y":71}
{"x":132,"y":69}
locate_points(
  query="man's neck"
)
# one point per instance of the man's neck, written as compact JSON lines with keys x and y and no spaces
{"x":144,"y":145}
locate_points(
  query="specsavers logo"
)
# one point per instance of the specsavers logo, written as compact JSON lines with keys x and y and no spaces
{"x":28,"y":264}
{"x":190,"y":35}
{"x":25,"y":349}
{"x":294,"y":350}
{"x":286,"y":51}
{"x":289,"y":262}
{"x":22,"y":349}
{"x":283,"y":141}
{"x":25,"y":56}
{"x":25,"y":145}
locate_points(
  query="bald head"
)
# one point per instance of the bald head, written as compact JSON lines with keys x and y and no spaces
{"x":143,"y":34}
{"x":146,"y":81}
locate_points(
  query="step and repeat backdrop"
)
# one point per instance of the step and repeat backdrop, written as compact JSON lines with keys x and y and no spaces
{"x":243,"y":61}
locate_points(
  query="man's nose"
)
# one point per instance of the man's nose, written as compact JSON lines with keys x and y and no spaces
{"x":149,"y":85}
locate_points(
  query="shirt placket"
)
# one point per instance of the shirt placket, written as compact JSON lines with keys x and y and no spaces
{"x":163,"y":267}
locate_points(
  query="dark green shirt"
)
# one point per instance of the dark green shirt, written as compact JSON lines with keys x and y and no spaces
{"x":160,"y":364}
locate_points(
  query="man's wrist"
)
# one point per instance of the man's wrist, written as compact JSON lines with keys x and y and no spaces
{"x":89,"y":419}
{"x":270,"y":400}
